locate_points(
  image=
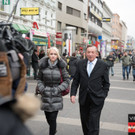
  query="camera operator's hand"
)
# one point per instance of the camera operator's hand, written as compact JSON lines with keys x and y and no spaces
{"x":20,"y":55}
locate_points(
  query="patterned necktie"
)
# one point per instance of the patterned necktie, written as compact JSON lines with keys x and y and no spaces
{"x":89,"y":68}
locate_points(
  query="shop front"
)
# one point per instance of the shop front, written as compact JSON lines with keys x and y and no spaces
{"x":41,"y":43}
{"x":21,"y":28}
{"x":41,"y":40}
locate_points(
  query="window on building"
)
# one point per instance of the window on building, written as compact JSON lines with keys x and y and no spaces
{"x":45,"y":22}
{"x":51,"y":22}
{"x":69,"y":10}
{"x":95,"y":8}
{"x":92,"y":5}
{"x":46,"y":13}
{"x":82,"y":32}
{"x":59,"y":5}
{"x":73,"y":11}
{"x":85,"y":16}
{"x":76,"y":30}
{"x":97,"y":11}
{"x":58,"y":26}
{"x":76,"y":13}
{"x":81,"y":0}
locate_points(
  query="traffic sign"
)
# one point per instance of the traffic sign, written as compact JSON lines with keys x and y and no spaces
{"x":6,"y":2}
{"x":106,"y":19}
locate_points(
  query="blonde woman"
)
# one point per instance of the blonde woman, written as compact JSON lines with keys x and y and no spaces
{"x":49,"y":85}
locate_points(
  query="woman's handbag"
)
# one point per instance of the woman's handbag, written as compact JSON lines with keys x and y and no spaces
{"x":37,"y":90}
{"x":65,"y":92}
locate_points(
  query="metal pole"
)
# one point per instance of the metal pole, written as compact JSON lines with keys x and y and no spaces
{"x":14,"y":8}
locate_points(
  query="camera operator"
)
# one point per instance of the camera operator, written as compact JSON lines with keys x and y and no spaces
{"x":15,"y":106}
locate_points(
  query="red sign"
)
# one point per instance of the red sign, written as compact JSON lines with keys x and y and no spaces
{"x":58,"y":43}
{"x":49,"y":44}
{"x":131,"y":127}
{"x":35,"y":25}
{"x":59,"y":35}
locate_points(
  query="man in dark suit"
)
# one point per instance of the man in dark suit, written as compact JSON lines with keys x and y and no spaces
{"x":93,"y":90}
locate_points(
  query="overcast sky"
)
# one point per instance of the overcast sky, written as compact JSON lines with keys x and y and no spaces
{"x":126,"y":11}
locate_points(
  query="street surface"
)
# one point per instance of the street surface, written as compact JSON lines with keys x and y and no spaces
{"x":114,"y":119}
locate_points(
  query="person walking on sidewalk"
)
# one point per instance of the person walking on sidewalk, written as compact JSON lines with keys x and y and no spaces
{"x":133,"y":65}
{"x":73,"y":65}
{"x":130,"y":54}
{"x":110,"y":61}
{"x":51,"y":69}
{"x":93,"y":78}
{"x":35,"y":63}
{"x":126,"y":61}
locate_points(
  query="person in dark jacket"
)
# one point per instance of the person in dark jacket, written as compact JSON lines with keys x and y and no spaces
{"x":50,"y":86}
{"x":73,"y":65}
{"x":41,"y":54}
{"x":126,"y":61}
{"x":35,"y":63}
{"x":99,"y":55}
{"x":110,"y":61}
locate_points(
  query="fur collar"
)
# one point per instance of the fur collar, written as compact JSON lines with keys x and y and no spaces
{"x":43,"y":63}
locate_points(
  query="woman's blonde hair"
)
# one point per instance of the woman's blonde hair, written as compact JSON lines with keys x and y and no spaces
{"x":57,"y":51}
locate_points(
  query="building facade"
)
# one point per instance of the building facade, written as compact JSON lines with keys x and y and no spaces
{"x":106,"y":30}
{"x":44,"y":20}
{"x":116,"y":42}
{"x":95,"y":14}
{"x":124,"y":34}
{"x":71,"y":19}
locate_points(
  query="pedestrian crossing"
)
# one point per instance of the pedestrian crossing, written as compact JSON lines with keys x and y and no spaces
{"x":113,"y":126}
{"x":76,"y":122}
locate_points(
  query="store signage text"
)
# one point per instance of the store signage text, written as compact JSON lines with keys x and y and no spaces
{"x":30,"y":11}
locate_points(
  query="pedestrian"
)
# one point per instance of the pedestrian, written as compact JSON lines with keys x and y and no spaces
{"x":93,"y":90}
{"x":73,"y":65}
{"x":35,"y":63}
{"x":41,"y":54}
{"x":133,"y":65}
{"x":126,"y":61}
{"x":130,"y":54}
{"x":110,"y":61}
{"x":98,"y":55}
{"x":51,"y":69}
{"x":78,"y":55}
{"x":83,"y":56}
{"x":64,"y":57}
{"x":119,"y":56}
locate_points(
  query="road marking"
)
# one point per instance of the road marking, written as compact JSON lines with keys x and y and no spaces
{"x":120,"y":101}
{"x":121,"y":88}
{"x":131,"y":102}
{"x":76,"y":122}
{"x":127,"y":81}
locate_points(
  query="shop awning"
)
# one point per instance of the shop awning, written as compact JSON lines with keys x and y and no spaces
{"x":42,"y":41}
{"x":21,"y":28}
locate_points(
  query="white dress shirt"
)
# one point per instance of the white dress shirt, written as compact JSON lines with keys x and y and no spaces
{"x":92,"y":64}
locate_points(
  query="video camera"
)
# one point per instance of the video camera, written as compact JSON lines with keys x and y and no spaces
{"x":12,"y":68}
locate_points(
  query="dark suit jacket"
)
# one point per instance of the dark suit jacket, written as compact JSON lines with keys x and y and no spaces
{"x":96,"y":86}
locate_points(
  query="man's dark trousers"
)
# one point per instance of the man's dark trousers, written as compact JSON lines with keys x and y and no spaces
{"x":90,"y":116}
